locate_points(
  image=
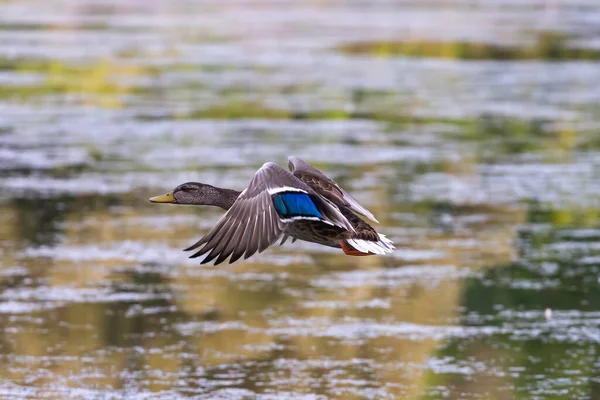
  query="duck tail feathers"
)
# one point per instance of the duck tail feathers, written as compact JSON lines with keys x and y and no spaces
{"x":382,"y":246}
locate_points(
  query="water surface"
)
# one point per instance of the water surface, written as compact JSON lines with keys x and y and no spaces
{"x":483,"y":170}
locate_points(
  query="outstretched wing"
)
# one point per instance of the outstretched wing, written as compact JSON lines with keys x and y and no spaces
{"x":326,"y":187}
{"x":258,"y":217}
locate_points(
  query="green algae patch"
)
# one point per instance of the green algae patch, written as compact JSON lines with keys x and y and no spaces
{"x":255,"y":110}
{"x":496,"y":136}
{"x":23,"y":64}
{"x":547,"y":46}
{"x":237,"y":110}
{"x":94,"y":83}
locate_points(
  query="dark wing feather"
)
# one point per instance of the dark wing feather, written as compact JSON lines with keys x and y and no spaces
{"x":284,"y":239}
{"x":252,"y":223}
{"x":326,"y":187}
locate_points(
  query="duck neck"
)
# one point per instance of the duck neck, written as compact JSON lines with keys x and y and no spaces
{"x":226,"y":197}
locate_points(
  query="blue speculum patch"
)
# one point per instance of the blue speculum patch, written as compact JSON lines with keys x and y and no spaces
{"x":293,"y":204}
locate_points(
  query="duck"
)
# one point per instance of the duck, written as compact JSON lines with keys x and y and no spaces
{"x":302,"y":203}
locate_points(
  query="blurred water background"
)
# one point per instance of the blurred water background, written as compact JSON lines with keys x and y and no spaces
{"x":470,"y":128}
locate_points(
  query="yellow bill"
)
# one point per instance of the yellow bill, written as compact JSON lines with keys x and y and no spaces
{"x":165,"y":198}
